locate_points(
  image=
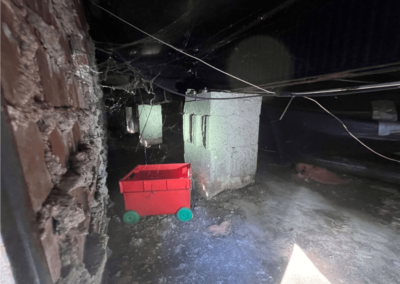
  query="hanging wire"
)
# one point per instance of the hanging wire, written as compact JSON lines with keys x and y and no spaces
{"x":187,"y":54}
{"x":350,"y":133}
{"x":241,"y":80}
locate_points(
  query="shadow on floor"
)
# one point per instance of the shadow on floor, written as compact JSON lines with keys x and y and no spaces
{"x":349,"y":233}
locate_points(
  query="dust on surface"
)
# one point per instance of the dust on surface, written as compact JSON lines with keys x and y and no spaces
{"x":350,"y":232}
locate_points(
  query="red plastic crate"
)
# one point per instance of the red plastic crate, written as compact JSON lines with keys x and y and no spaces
{"x":157,"y":189}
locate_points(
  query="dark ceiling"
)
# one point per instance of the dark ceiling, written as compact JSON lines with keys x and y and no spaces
{"x":276,"y":44}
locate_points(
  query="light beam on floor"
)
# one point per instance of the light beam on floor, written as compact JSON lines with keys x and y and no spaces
{"x":301,"y":270}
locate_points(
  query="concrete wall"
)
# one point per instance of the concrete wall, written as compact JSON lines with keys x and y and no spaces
{"x":51,"y":98}
{"x":150,"y":122}
{"x":221,"y":141}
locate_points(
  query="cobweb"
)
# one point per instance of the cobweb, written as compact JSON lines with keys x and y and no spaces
{"x":179,"y":33}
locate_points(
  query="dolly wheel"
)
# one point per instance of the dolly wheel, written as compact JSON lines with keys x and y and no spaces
{"x":184,"y":214}
{"x":131,"y":217}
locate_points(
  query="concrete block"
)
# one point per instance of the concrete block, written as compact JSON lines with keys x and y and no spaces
{"x":221,"y":142}
{"x":244,"y":160}
{"x":230,"y":131}
{"x":132,"y":123}
{"x":248,"y":107}
{"x":150,"y":122}
{"x":202,"y":107}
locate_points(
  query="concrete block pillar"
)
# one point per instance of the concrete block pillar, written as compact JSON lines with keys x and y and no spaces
{"x":221,"y":141}
{"x":150,"y":122}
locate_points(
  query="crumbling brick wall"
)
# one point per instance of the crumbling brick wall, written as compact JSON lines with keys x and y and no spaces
{"x":54,"y":104}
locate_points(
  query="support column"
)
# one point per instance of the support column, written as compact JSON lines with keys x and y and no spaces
{"x":221,"y":141}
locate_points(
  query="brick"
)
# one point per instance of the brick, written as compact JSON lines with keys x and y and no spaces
{"x":43,"y":9}
{"x":73,"y":93}
{"x":62,"y":145}
{"x":65,"y":45}
{"x":31,"y":151}
{"x":81,"y":241}
{"x":52,"y":80}
{"x":73,"y":139}
{"x":52,"y":38}
{"x":80,"y":16}
{"x":80,"y":59}
{"x":51,"y":250}
{"x":80,"y":194}
{"x":79,"y":236}
{"x":76,"y":133}
{"x":9,"y":47}
{"x":78,"y":43}
{"x":81,"y":88}
{"x":59,"y":147}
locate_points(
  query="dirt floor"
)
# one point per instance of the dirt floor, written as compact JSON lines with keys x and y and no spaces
{"x":279,"y":230}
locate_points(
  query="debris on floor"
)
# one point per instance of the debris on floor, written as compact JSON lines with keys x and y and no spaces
{"x":321,"y":175}
{"x":136,"y":242}
{"x":223,"y":229}
{"x":248,"y":235}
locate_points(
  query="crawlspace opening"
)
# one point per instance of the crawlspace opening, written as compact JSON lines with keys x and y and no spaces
{"x":315,"y":210}
{"x":294,"y":147}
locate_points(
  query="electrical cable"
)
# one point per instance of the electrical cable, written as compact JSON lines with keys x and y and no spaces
{"x":195,"y":97}
{"x":255,"y":86}
{"x":320,"y":93}
{"x":323,"y":108}
{"x":363,"y":88}
{"x":350,"y":133}
{"x":286,"y":108}
{"x":177,"y":49}
{"x":351,"y":90}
